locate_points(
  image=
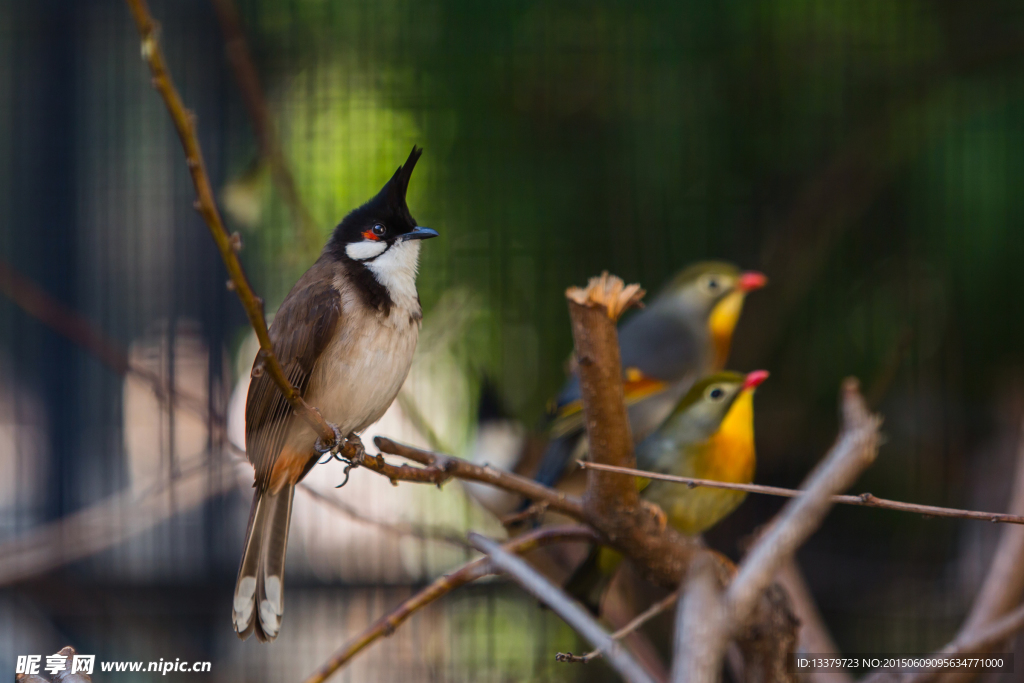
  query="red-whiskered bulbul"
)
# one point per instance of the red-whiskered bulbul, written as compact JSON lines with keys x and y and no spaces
{"x":345,"y":336}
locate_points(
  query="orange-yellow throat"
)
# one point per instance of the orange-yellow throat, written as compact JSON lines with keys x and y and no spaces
{"x":726,"y":456}
{"x":729,"y":454}
{"x":721,"y":324}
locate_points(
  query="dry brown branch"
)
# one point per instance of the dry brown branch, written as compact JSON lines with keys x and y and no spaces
{"x":593,"y":312}
{"x":35,"y":301}
{"x":236,"y":48}
{"x":534,"y":511}
{"x":1000,"y":592}
{"x":978,"y":641}
{"x":440,"y":468}
{"x":468,"y":573}
{"x":737,"y":610}
{"x":855,"y":450}
{"x":861,"y":499}
{"x":611,"y":502}
{"x":564,"y":606}
{"x":635,"y":623}
{"x":814,"y":634}
{"x":701,"y":627}
{"x":184,"y":123}
{"x":1004,"y":584}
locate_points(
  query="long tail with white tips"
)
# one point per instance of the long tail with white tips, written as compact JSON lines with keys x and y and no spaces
{"x":259,"y":591}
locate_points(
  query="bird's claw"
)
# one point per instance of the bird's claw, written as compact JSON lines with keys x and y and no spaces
{"x":349,"y":451}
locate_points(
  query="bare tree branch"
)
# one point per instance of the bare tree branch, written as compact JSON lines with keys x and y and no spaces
{"x":420,"y":531}
{"x":853,"y":452}
{"x":635,"y":623}
{"x":37,"y":302}
{"x":1001,"y":590}
{"x":701,"y":627}
{"x":440,"y":468}
{"x":814,"y":636}
{"x":594,"y":312}
{"x":718,"y":619}
{"x":977,"y":641}
{"x":862,"y":499}
{"x":468,"y":573}
{"x":612,"y":506}
{"x":184,"y":123}
{"x":564,"y":606}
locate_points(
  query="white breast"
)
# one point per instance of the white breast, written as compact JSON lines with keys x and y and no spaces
{"x":360,"y":372}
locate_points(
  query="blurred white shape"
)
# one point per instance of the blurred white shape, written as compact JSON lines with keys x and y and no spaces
{"x":23,"y":461}
{"x":162,"y":436}
{"x":169,"y":439}
{"x":499,"y":444}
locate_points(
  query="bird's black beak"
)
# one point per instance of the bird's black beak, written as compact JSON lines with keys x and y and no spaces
{"x":419,"y":233}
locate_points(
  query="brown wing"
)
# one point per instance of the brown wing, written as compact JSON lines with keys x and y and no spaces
{"x":302,"y":328}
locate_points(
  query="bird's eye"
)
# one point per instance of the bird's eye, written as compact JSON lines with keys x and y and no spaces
{"x":712,"y":284}
{"x":716,"y":393}
{"x":379,"y":230}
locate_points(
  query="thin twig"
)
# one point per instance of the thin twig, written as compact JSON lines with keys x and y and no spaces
{"x":534,"y":511}
{"x":564,"y":606}
{"x":237,"y":50}
{"x":635,"y":623}
{"x":862,"y":499}
{"x":468,"y":573}
{"x":440,"y":468}
{"x":184,"y":123}
{"x":37,"y":302}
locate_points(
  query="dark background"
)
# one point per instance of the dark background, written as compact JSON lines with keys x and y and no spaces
{"x":867,"y":155}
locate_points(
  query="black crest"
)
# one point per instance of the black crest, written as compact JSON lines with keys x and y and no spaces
{"x":387,"y":208}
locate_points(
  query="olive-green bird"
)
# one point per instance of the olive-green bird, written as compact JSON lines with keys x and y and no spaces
{"x":683,"y":335}
{"x":709,"y":435}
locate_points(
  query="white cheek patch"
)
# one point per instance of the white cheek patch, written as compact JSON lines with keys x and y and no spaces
{"x":396,"y":270}
{"x":361,"y":251}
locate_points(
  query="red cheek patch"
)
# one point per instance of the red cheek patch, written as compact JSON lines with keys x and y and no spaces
{"x":368,"y":235}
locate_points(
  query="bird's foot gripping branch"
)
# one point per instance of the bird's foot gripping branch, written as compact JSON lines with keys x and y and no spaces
{"x":348,"y":451}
